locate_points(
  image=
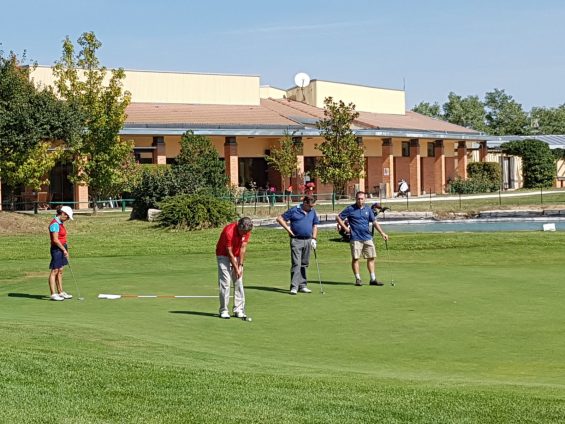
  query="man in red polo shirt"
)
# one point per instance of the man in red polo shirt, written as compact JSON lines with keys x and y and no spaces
{"x":230,"y":254}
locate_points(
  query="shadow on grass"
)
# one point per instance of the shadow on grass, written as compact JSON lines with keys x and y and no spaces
{"x":263,"y":288}
{"x":331,"y":283}
{"x":198,"y":313}
{"x":29,"y":296}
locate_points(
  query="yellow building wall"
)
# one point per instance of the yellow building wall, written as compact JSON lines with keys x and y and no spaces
{"x":254,"y":147}
{"x":366,"y":99}
{"x":266,"y":91}
{"x":561,"y":168}
{"x":373,"y":146}
{"x":174,"y":87}
{"x":309,"y":148}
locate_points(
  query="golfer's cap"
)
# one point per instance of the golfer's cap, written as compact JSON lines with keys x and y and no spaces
{"x":68,"y":211}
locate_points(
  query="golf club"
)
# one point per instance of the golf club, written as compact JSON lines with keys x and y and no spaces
{"x":75,"y":280}
{"x":319,"y":276}
{"x":389,"y":264}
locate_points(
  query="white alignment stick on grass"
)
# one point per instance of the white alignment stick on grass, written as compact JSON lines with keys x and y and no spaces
{"x":150,"y":296}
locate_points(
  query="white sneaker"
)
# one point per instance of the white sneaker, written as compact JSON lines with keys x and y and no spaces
{"x":305,"y":290}
{"x":65,"y":295}
{"x":225,"y":315}
{"x":57,"y":297}
{"x":239,"y":315}
{"x":293,"y":292}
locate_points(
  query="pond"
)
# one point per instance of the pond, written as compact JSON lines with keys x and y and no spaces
{"x":468,"y":225}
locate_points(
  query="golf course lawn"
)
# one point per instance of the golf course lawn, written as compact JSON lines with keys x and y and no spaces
{"x":473,"y":330}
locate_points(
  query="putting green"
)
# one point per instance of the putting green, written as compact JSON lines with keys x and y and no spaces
{"x":471,"y":332}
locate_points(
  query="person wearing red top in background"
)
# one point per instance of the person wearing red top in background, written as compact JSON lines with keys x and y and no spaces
{"x":59,"y":252}
{"x":230,"y":255}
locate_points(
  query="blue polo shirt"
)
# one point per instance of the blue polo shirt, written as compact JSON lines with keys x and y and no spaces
{"x":301,"y":222}
{"x":358,"y":219}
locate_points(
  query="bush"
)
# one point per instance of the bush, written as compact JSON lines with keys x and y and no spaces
{"x":156,"y":183}
{"x":195,"y":212}
{"x":487,"y":174}
{"x":197,"y":169}
{"x":538,"y":162}
{"x":472,"y":186}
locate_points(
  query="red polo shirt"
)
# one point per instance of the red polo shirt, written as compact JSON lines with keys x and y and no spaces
{"x":230,"y":237}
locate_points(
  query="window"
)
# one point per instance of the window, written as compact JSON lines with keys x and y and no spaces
{"x":405,"y":149}
{"x":431,"y":150}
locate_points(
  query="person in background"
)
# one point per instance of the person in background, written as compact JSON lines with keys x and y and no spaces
{"x":301,"y":224}
{"x":230,"y":255}
{"x":59,"y":252}
{"x":358,"y":217}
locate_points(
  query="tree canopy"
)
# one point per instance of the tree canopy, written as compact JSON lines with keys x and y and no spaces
{"x":284,"y":158}
{"x":28,"y":117}
{"x":538,"y":162}
{"x":101,"y":159}
{"x":342,"y":156}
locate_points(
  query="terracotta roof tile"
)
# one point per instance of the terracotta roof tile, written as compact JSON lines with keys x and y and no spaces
{"x":279,"y":112}
{"x":165,"y":113}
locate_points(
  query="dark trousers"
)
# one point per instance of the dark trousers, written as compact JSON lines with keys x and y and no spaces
{"x":300,"y":258}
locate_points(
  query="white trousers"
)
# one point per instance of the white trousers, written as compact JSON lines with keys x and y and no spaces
{"x":226,"y":275}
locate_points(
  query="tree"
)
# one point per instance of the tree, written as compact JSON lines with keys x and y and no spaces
{"x":100,"y":157}
{"x":30,"y":169}
{"x":548,"y":120}
{"x":342,"y":158}
{"x":468,"y":112}
{"x":428,"y":109}
{"x":199,"y":167}
{"x":538,"y":162}
{"x":284,"y":158}
{"x":504,"y":115}
{"x":28,"y":117}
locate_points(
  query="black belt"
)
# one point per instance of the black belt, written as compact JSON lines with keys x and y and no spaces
{"x":302,"y":237}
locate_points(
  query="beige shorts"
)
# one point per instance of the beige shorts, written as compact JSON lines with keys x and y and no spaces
{"x":365,"y":248}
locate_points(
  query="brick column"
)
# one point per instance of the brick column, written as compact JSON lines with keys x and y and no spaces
{"x":80,"y":195}
{"x":462,"y":160}
{"x":415,"y":181}
{"x":388,"y":166}
{"x":439,"y":167}
{"x":159,"y":154}
{"x":483,"y":151}
{"x":231,"y":160}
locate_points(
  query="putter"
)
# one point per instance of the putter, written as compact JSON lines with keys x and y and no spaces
{"x":389,"y":264}
{"x":319,"y":276}
{"x":75,"y":280}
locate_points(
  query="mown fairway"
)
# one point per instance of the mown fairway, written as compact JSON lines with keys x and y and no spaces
{"x":472,"y":331}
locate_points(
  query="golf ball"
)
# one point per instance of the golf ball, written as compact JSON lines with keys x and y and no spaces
{"x":248,"y":319}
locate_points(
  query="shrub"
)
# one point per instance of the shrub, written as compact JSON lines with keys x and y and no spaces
{"x":155,"y":184}
{"x":487,"y":175}
{"x":195,"y":212}
{"x":538,"y":163}
{"x":198,"y":168}
{"x":472,"y":185}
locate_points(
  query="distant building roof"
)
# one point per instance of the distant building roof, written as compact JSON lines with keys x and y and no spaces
{"x":553,"y":141}
{"x":273,"y":116}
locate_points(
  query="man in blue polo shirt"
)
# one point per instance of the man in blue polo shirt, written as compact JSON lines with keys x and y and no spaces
{"x":303,"y":231}
{"x":358,"y":217}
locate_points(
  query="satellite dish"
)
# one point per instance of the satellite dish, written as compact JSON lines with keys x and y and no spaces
{"x":302,"y":79}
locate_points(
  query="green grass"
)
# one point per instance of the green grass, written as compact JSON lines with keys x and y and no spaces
{"x":472,"y":331}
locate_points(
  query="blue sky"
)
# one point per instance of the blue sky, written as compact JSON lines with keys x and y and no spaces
{"x":468,"y":47}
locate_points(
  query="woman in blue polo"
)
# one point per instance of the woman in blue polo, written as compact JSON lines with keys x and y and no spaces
{"x":303,"y":230}
{"x":59,"y":252}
